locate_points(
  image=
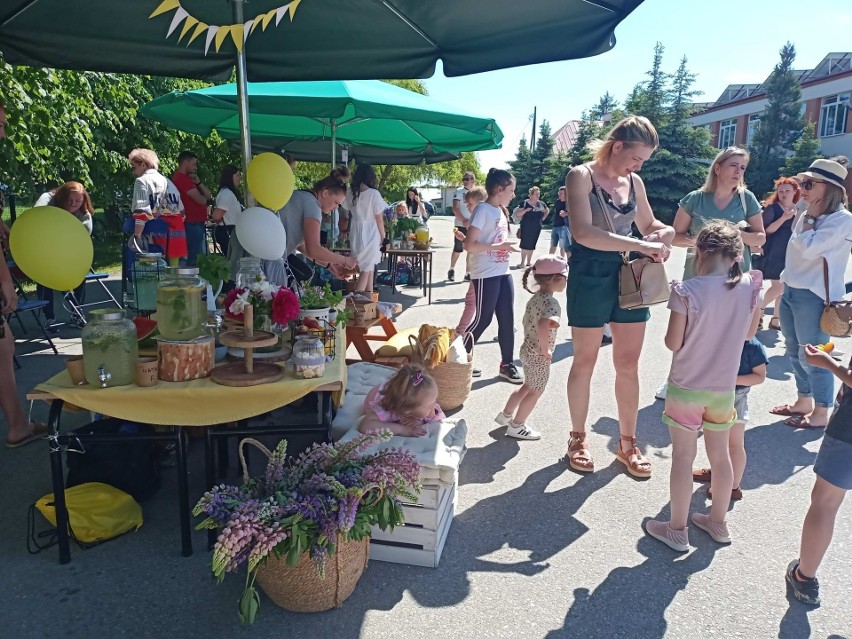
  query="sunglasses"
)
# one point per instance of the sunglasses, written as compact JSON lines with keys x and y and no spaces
{"x":467,"y":179}
{"x":809,"y":184}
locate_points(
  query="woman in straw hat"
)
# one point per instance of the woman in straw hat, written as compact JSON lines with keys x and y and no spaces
{"x":821,"y":238}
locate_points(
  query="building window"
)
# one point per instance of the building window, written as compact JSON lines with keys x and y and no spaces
{"x":727,"y":133}
{"x":832,"y":115}
{"x":753,"y":124}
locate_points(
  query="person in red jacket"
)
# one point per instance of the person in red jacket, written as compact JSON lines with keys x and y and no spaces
{"x":195,"y":197}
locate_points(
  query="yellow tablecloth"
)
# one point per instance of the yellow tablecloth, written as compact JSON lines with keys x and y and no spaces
{"x":200,"y":402}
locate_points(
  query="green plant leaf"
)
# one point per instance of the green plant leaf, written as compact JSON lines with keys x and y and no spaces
{"x":249,"y":606}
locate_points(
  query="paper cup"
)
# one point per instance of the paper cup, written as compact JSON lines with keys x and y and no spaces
{"x":146,"y":371}
{"x":75,"y":369}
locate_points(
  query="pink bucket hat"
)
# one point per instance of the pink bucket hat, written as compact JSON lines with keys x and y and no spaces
{"x":550,"y":265}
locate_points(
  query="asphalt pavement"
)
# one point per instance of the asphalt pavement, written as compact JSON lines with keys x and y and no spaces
{"x":535,"y":549}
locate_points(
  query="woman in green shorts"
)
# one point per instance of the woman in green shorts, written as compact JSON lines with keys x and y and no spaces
{"x":605,"y":198}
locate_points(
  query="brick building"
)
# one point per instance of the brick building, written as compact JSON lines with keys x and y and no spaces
{"x":826,"y":89}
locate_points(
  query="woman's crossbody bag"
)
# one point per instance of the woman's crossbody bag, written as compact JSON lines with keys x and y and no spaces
{"x":641,"y":282}
{"x":836,"y":318}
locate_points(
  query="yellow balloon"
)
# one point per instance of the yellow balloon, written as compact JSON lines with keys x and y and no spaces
{"x":271,"y":180}
{"x":51,"y":247}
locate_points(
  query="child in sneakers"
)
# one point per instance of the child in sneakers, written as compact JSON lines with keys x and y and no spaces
{"x":473,"y":197}
{"x":403,"y":404}
{"x":711,"y":316}
{"x":833,"y":468}
{"x":541,"y":320}
{"x":751,"y":373}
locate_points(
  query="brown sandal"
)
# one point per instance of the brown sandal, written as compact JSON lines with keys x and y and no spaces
{"x":578,"y":456}
{"x":635,"y":462}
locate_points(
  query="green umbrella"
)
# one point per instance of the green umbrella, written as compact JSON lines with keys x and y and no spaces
{"x":376,"y":121}
{"x":305,"y":39}
{"x":273,"y":40}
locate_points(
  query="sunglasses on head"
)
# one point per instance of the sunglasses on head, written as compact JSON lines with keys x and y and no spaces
{"x":809,"y":184}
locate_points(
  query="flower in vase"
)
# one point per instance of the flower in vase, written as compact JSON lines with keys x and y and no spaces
{"x":236,"y":301}
{"x":285,"y":306}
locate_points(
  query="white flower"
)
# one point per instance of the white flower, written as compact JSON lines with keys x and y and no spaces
{"x":237,"y":306}
{"x":264,"y":290}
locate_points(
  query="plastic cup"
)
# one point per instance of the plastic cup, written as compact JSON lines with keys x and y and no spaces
{"x":75,"y":369}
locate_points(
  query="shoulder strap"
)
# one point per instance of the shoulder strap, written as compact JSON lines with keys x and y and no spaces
{"x":743,"y":203}
{"x":825,"y":280}
{"x":601,"y":202}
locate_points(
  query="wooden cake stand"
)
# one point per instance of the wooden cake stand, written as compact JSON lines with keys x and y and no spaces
{"x":247,"y":372}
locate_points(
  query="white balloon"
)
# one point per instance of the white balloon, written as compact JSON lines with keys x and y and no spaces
{"x":261,"y":233}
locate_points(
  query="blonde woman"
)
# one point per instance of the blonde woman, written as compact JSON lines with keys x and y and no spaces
{"x":724,"y":196}
{"x":605,"y":199}
{"x":530,"y":215}
{"x":155,"y":196}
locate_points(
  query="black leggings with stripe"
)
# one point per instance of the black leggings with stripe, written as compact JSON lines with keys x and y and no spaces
{"x":495,"y":296}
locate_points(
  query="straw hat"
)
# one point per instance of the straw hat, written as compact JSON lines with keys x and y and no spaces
{"x":827,"y":171}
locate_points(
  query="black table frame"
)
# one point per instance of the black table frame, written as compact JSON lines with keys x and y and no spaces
{"x":58,"y":441}
{"x":422,"y":260}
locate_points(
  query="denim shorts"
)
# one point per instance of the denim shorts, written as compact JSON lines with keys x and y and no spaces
{"x":834,"y":462}
{"x":559,"y":236}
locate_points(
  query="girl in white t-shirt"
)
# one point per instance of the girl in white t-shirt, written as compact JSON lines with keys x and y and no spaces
{"x":229,"y":205}
{"x":488,"y":244}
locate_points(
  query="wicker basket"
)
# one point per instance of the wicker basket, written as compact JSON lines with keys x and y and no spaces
{"x":299,"y":589}
{"x":453,"y":380}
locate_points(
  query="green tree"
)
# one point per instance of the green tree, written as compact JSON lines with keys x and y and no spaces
{"x":780,"y":124}
{"x":805,"y":150}
{"x":533,"y":168}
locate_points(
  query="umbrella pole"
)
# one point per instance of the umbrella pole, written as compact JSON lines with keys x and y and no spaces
{"x":242,"y":100}
{"x":333,"y":143}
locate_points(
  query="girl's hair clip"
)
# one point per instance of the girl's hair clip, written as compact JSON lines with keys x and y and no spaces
{"x":416,"y":378}
{"x":738,"y":259}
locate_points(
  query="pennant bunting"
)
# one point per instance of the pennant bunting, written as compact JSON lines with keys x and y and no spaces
{"x":216,"y":35}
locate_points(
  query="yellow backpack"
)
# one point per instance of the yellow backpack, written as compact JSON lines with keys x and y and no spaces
{"x":96,"y":512}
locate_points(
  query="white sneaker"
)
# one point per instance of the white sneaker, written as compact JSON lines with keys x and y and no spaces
{"x":661,"y":391}
{"x":503,"y":419}
{"x":521,"y":431}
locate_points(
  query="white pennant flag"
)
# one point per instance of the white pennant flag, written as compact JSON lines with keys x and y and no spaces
{"x":279,"y":13}
{"x":211,"y":33}
{"x":180,"y":16}
{"x":247,"y":29}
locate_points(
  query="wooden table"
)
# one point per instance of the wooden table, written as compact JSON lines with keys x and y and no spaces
{"x":422,"y":259}
{"x":133,"y":403}
{"x":358,"y":337}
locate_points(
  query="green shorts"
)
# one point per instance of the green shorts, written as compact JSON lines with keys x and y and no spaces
{"x":593,"y":290}
{"x":693,"y":410}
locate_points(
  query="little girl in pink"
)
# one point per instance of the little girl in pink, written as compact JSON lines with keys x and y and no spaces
{"x":403,"y":404}
{"x":711,"y":315}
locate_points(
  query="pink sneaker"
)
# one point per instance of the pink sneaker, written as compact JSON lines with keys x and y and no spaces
{"x":674,"y":539}
{"x":718,"y":531}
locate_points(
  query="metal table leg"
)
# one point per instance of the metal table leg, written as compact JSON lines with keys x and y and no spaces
{"x":56,"y":473}
{"x":183,"y":496}
{"x":210,"y":471}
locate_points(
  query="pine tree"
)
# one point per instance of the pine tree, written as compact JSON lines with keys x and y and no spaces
{"x":805,"y":150}
{"x":780,"y":124}
{"x":532,"y":168}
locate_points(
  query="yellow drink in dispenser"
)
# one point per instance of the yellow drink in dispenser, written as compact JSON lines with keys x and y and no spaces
{"x":421,"y":235}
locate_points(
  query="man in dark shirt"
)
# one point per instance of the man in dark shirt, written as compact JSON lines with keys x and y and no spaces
{"x":559,"y":235}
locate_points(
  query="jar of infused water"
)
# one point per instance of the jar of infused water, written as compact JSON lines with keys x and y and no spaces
{"x":148,"y":269}
{"x":422,"y":234}
{"x":110,"y":349}
{"x":181,"y":312}
{"x":308,"y":357}
{"x":249,"y":272}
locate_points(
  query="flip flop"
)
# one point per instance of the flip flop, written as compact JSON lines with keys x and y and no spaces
{"x":801,"y":421}
{"x":39,"y":432}
{"x":784,"y":411}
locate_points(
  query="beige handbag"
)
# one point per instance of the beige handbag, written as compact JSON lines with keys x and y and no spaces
{"x":641,"y":282}
{"x":836,"y":318}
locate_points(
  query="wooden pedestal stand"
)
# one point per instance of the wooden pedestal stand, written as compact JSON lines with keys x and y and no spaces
{"x":248,"y":372}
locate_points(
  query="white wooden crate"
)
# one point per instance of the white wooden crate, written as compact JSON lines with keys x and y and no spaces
{"x":420,"y":541}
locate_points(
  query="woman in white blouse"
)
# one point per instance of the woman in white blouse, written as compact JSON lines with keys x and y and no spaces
{"x":366,"y":227}
{"x":229,"y":204}
{"x":821,"y":237}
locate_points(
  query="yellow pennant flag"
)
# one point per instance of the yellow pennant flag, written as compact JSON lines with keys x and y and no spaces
{"x":165,"y":5}
{"x":190,"y":22}
{"x":293,"y":5}
{"x":237,"y":36}
{"x":221,"y":34}
{"x":267,"y":17}
{"x":199,"y":29}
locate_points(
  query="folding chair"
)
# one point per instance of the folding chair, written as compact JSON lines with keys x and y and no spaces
{"x":26,"y":305}
{"x":75,"y":307}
